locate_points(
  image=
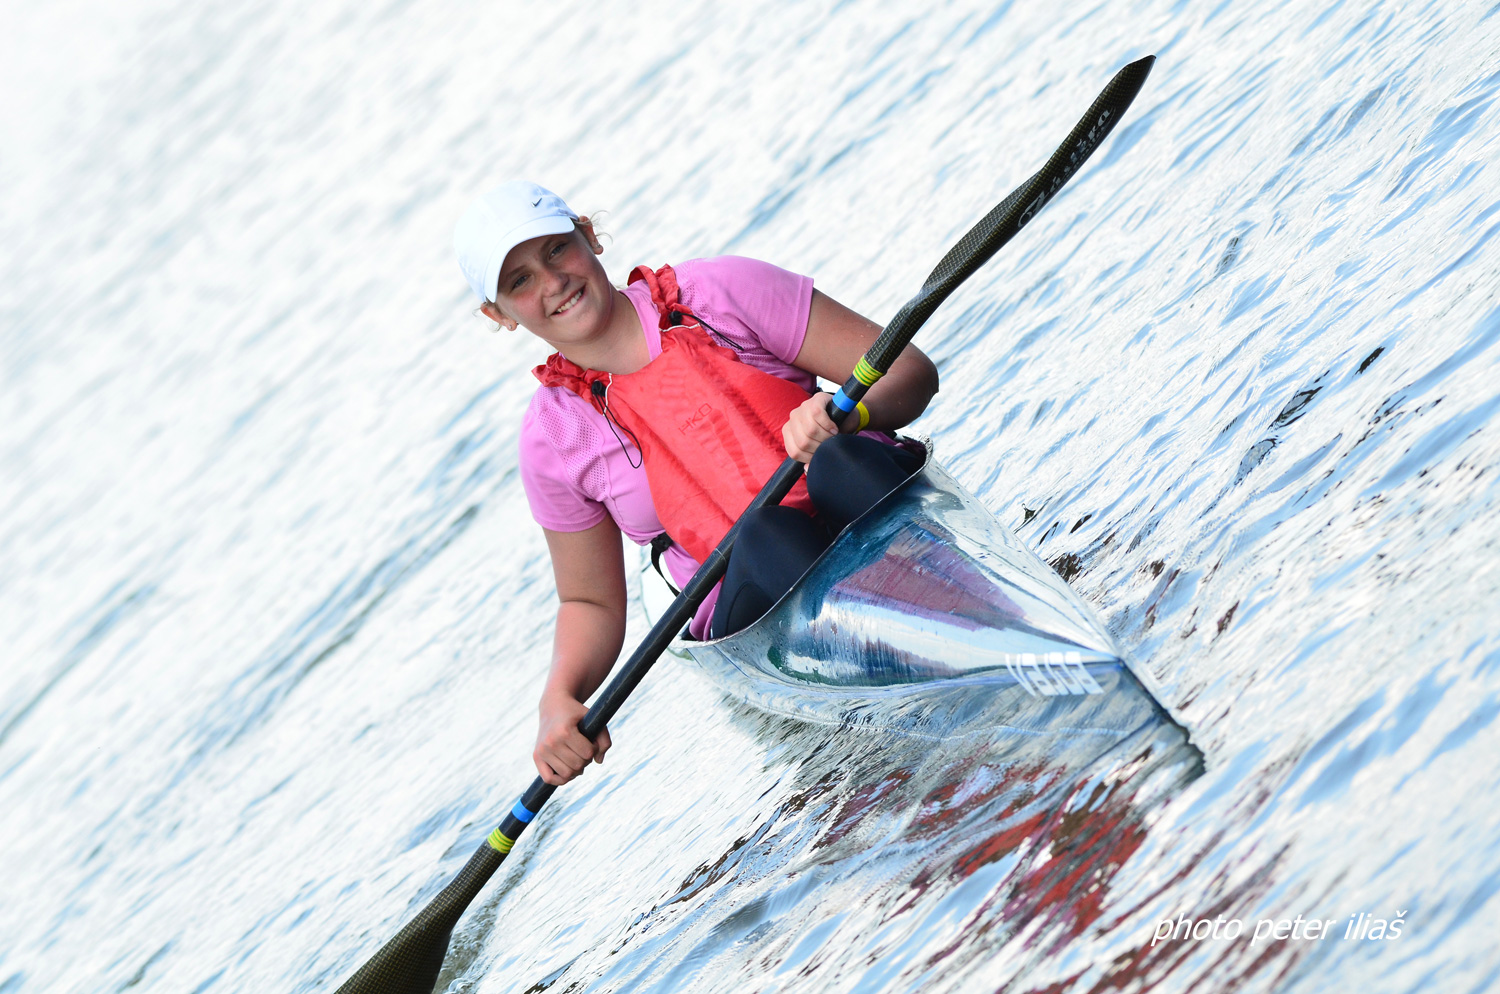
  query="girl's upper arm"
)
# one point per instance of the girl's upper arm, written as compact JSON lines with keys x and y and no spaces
{"x":589,"y":565}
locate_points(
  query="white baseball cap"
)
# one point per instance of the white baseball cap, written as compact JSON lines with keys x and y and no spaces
{"x":498,"y":221}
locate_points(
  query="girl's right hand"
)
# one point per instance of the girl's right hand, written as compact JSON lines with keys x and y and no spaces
{"x":561,"y":751}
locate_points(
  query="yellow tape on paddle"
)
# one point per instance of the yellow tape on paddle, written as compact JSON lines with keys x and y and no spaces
{"x":866,"y":373}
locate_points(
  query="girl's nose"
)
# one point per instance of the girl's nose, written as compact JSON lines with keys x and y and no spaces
{"x":556,"y":279}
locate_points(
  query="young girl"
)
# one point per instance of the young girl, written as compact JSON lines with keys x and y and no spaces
{"x":664,"y":408}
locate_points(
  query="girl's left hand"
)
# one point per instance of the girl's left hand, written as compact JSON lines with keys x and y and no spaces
{"x":810,"y":426}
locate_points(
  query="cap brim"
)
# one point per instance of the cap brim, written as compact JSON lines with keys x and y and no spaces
{"x":553,"y":225}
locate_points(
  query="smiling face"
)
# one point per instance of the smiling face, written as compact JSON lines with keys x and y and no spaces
{"x":556,"y":288}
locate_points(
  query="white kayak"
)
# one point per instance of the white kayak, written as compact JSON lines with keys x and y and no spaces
{"x":927,"y":615}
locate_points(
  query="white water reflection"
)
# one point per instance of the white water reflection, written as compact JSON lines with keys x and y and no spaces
{"x":275,"y":616}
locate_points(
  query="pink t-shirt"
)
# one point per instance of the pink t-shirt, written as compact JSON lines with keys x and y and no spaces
{"x":576,"y":471}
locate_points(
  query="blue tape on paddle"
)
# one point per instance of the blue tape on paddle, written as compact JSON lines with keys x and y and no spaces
{"x":522,"y":815}
{"x":842,"y":402}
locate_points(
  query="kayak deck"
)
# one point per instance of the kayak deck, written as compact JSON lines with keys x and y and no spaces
{"x":927,"y":614}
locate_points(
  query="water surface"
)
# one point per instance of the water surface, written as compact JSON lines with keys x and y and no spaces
{"x":275,"y":616}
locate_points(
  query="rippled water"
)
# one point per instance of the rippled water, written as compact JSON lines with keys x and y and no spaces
{"x":275,"y":617}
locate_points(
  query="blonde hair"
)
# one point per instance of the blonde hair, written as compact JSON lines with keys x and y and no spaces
{"x":592,"y":220}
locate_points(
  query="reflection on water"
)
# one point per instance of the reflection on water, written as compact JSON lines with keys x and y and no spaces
{"x":894,"y":874}
{"x":275,"y":617}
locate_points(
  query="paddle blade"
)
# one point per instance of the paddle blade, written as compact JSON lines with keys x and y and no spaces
{"x":1001,"y":224}
{"x":410,"y":963}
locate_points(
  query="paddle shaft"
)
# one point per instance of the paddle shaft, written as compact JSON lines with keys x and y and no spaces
{"x":410,"y":963}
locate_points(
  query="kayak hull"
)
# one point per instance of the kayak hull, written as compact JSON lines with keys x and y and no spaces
{"x":927,"y":615}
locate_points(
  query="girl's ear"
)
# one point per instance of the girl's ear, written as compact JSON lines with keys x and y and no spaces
{"x":587,"y":227}
{"x":489,"y":310}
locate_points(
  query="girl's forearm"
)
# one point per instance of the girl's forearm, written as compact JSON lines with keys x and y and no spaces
{"x":587,"y":642}
{"x":902,"y":394}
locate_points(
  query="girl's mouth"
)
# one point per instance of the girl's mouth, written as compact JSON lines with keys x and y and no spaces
{"x":567,"y":305}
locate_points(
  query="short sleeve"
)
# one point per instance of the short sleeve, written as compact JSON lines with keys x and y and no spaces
{"x":769,"y":302}
{"x":548,"y":472}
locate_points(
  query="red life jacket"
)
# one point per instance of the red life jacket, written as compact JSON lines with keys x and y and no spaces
{"x":708,"y":426}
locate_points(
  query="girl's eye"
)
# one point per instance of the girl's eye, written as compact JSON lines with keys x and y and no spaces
{"x":517,"y":284}
{"x":558,"y":248}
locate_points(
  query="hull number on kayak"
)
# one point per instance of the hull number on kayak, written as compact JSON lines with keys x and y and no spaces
{"x":1052,"y":674}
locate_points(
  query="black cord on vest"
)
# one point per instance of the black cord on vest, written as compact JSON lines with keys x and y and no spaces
{"x":659,"y":545}
{"x":600,"y":390}
{"x":676,"y":318}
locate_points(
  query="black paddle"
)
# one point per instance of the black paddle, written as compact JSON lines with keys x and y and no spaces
{"x":410,"y":963}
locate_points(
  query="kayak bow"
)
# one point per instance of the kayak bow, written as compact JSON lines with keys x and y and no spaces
{"x":928,"y":616}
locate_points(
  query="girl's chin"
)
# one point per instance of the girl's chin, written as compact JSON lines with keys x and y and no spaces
{"x":578,"y":323}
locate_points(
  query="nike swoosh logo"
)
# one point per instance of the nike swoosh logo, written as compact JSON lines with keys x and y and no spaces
{"x":537,"y":201}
